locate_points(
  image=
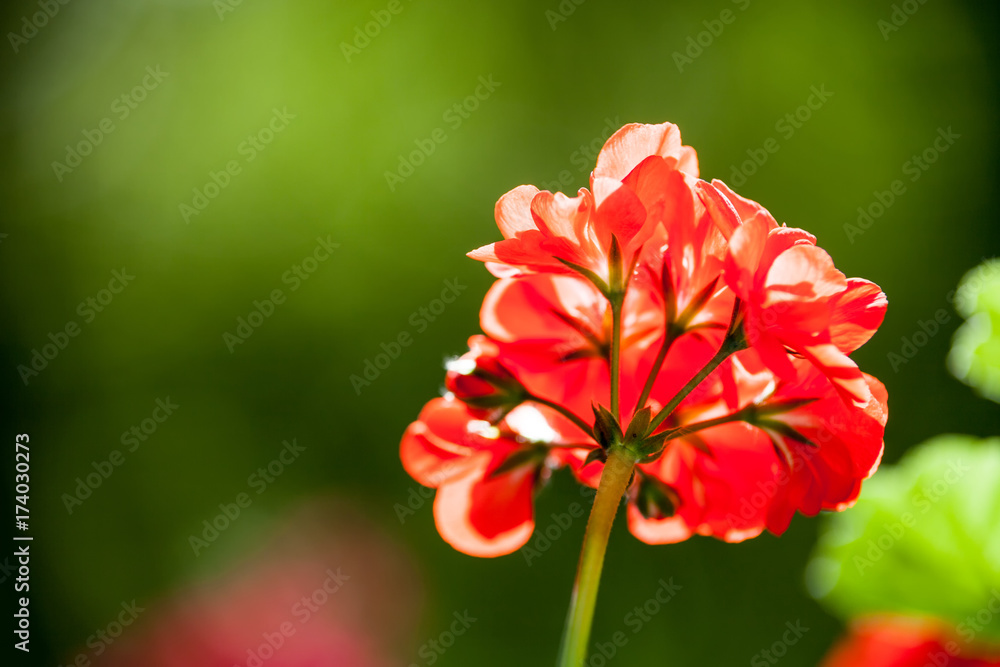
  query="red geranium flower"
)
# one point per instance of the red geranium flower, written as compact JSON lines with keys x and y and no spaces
{"x":670,"y":343}
{"x":907,"y":642}
{"x":705,"y":273}
{"x":327,"y":588}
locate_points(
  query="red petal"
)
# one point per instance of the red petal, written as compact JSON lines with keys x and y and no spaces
{"x":523,"y":309}
{"x":724,"y":215}
{"x":513,"y":211}
{"x":619,"y":212}
{"x":486,"y":518}
{"x":747,"y":209}
{"x":845,"y":375}
{"x":635,"y":142}
{"x":803,"y":272}
{"x":856,"y":314}
{"x":425,"y":460}
{"x":746,"y":246}
{"x":557,"y":215}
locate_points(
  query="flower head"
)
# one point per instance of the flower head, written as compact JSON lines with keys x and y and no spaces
{"x":667,"y":318}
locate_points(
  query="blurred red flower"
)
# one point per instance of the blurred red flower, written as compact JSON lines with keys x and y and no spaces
{"x":907,"y":642}
{"x":328,"y":590}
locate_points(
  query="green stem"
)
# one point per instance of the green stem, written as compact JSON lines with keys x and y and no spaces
{"x":668,"y":341}
{"x":616,"y":345}
{"x":565,"y":412}
{"x":688,"y":429}
{"x":614,"y":482}
{"x":714,"y":363}
{"x":733,"y":342}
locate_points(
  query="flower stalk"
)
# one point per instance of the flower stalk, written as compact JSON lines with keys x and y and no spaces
{"x":615,"y":479}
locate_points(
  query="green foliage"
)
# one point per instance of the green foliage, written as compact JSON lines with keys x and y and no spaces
{"x":924,"y":538}
{"x":975,"y":352}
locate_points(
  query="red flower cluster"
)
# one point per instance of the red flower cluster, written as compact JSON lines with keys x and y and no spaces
{"x":668,"y":315}
{"x":907,"y":642}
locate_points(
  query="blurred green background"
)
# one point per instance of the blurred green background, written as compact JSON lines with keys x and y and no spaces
{"x":562,"y":86}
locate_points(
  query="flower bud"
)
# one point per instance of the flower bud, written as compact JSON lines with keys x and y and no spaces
{"x":480,"y":380}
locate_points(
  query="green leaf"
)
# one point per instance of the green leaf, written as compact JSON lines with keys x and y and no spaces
{"x":615,"y":269}
{"x":924,"y":538}
{"x":653,"y":446}
{"x":656,"y":500}
{"x":669,"y":295}
{"x":698,"y":302}
{"x":606,"y":428}
{"x":588,"y":274}
{"x":595,"y":455}
{"x":639,"y":424}
{"x":975,"y":350}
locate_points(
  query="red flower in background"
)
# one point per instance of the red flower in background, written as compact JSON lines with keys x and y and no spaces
{"x":671,"y":323}
{"x":907,"y":642}
{"x":328,"y":589}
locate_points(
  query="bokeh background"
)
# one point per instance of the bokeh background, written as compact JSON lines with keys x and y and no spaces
{"x":562,"y":87}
